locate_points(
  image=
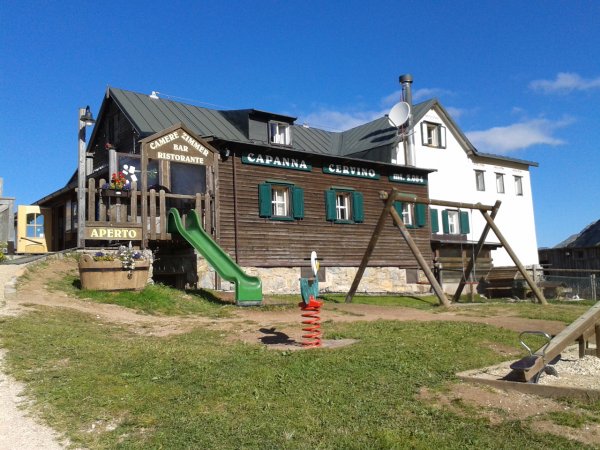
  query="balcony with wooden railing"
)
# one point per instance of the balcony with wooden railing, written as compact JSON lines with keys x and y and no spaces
{"x":120,"y":214}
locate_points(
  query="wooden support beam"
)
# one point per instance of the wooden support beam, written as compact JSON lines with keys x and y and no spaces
{"x":427,"y":201}
{"x":475,"y":255}
{"x":369,"y":251}
{"x":419,"y":257}
{"x":578,"y":328}
{"x":515,"y":258}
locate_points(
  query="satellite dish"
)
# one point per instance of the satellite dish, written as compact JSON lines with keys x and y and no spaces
{"x":399,"y":114}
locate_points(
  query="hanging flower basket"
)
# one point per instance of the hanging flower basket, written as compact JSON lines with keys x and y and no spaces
{"x":105,"y":272}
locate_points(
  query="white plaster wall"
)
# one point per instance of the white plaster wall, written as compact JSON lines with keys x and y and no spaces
{"x":454,"y":180}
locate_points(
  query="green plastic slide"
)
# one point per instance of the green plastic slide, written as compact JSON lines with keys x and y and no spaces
{"x":248,"y":290}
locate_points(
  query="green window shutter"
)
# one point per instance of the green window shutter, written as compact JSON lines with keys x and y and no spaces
{"x":420,"y":215}
{"x":464,"y":222}
{"x":330,"y":205}
{"x":435,"y":225}
{"x":264,"y":200}
{"x":445,"y":224}
{"x":398,"y":207}
{"x":358,"y":210}
{"x":297,"y":202}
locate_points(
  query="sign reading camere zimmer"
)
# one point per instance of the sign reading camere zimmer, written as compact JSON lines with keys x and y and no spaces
{"x":102,"y":233}
{"x":179,"y":146}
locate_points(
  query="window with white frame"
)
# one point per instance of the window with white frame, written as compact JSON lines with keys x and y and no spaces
{"x":408,"y":214}
{"x":280,"y":133}
{"x":500,"y":183}
{"x":279,"y":200}
{"x":480,"y":180}
{"x":343,"y":206}
{"x":433,"y":134}
{"x":413,"y":215}
{"x":453,"y":222}
{"x":518,"y":185}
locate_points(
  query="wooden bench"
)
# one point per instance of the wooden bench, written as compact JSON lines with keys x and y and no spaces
{"x":502,"y":282}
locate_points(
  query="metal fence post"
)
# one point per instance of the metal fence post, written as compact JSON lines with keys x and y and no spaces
{"x":593,"y":284}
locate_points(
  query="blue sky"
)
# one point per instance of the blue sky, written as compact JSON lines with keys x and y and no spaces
{"x":521,"y":79}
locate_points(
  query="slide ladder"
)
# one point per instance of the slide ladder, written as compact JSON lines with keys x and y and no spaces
{"x":248,"y":289}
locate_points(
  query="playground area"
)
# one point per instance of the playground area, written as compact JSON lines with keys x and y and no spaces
{"x":276,"y":328}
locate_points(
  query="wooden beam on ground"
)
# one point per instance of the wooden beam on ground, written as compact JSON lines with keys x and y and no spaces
{"x":419,"y":257}
{"x":513,"y":255}
{"x":572,"y":333}
{"x":475,"y":255}
{"x":369,"y":251}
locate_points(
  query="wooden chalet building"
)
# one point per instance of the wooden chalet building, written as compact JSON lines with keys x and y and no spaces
{"x":268,"y":191}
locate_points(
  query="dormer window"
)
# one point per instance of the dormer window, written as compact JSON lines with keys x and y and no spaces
{"x":280,"y":133}
{"x":433,"y":134}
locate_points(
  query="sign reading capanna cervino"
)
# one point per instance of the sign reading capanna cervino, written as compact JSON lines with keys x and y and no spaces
{"x":284,"y":162}
{"x":408,"y":178}
{"x":351,"y":171}
{"x":179,"y":146}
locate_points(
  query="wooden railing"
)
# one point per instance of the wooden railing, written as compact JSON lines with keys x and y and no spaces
{"x":109,"y":207}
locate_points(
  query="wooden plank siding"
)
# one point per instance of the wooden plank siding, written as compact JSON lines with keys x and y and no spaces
{"x":270,"y":243}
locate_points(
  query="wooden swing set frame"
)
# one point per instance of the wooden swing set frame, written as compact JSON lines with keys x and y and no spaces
{"x":489,"y":214}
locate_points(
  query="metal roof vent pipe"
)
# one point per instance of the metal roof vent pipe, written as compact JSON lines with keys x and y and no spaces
{"x":409,"y":143}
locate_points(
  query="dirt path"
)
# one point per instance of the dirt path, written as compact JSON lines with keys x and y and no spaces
{"x":18,"y":430}
{"x":276,"y":328}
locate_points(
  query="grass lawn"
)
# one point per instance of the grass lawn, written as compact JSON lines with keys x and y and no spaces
{"x":108,"y":388}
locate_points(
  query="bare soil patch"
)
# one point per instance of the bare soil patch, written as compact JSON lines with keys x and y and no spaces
{"x":499,"y":406}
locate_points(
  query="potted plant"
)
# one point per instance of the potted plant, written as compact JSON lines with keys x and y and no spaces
{"x":127,"y":269}
{"x":117,"y":187}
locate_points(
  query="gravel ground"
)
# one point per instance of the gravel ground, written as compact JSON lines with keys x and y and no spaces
{"x":574,"y":371}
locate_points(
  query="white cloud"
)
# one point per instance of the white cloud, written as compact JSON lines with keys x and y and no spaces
{"x":339,"y":121}
{"x":334,"y":120}
{"x":455,"y":113}
{"x":392,"y":99}
{"x":417,"y":95}
{"x":503,"y":140}
{"x":427,"y":93}
{"x":565,"y":83}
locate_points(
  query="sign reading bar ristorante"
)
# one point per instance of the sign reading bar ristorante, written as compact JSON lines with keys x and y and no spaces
{"x":179,"y":146}
{"x":351,"y":171}
{"x":283,"y":162}
{"x":408,"y":178}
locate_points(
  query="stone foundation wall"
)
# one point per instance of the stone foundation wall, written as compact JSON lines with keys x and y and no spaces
{"x":285,"y":280}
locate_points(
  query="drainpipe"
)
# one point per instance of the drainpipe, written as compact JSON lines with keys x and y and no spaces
{"x":409,"y":143}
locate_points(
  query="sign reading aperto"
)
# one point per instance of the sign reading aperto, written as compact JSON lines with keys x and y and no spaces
{"x":113,"y":233}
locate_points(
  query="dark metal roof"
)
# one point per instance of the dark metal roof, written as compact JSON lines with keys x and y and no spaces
{"x":150,"y":116}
